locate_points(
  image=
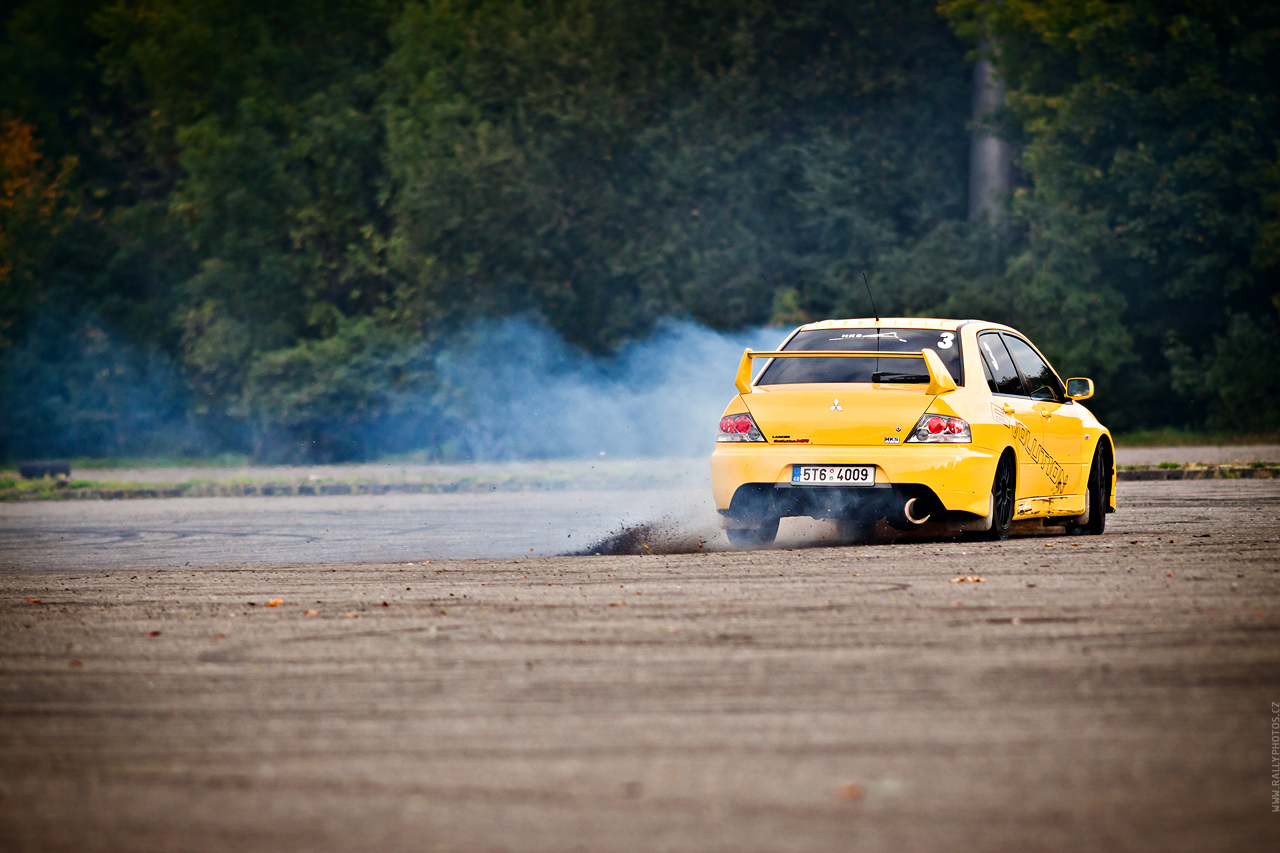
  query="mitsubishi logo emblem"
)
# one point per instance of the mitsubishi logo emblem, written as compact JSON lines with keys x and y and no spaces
{"x":836,"y":407}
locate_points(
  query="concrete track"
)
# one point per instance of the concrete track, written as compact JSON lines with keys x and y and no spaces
{"x":1090,"y":693}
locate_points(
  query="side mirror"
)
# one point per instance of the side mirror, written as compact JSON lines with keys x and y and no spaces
{"x":1079,"y":389}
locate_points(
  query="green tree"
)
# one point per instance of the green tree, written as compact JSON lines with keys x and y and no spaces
{"x":259,"y":126}
{"x":1151,"y":132}
{"x":605,"y":163}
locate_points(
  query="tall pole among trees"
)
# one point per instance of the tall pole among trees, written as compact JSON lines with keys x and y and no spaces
{"x":990,"y":157}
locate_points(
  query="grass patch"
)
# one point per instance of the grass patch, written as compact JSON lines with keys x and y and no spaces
{"x":504,"y":477}
{"x":1174,"y":437}
{"x":116,"y":463}
{"x":14,"y":488}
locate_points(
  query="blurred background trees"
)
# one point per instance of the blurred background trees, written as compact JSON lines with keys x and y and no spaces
{"x":288,"y":207}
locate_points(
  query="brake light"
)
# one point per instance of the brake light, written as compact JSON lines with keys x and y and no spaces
{"x":739,"y":428}
{"x":940,"y":429}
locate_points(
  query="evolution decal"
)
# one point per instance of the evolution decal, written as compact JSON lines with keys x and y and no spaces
{"x":1037,"y":454}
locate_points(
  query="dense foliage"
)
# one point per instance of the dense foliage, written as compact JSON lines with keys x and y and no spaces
{"x":1151,"y":144}
{"x":288,"y":208}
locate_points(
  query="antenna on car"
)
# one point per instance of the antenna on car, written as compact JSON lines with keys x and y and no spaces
{"x":874,"y":312}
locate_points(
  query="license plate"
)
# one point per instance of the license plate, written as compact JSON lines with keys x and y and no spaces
{"x":833,"y":475}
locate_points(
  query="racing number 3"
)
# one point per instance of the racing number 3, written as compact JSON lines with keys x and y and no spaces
{"x":947,"y":338}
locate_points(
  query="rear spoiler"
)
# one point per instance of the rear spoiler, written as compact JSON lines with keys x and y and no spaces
{"x":940,"y":381}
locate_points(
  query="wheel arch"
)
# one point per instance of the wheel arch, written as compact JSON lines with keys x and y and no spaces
{"x":1013,"y":454}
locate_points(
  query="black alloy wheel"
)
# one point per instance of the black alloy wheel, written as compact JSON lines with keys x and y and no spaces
{"x":1002,"y":501}
{"x":754,"y":537}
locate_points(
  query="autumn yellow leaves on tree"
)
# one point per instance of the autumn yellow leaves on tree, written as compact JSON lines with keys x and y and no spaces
{"x":36,"y":204}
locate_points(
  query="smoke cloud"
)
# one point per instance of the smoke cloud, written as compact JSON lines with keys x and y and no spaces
{"x":504,"y":389}
{"x":515,"y":390}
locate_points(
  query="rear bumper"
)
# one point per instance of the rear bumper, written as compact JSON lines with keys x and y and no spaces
{"x":958,"y":476}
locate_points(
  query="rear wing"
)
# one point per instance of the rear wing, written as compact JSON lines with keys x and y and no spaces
{"x":940,"y":380}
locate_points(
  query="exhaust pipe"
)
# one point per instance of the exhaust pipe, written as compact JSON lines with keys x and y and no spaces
{"x":906,"y":512}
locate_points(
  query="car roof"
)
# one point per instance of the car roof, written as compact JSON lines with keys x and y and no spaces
{"x":896,"y":322}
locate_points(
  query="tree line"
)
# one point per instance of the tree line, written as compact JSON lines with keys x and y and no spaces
{"x":259,"y":221}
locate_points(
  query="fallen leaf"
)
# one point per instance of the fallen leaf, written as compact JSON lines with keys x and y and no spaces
{"x":444,"y":612}
{"x":275,"y":602}
{"x":617,"y":604}
{"x":153,"y":633}
{"x":968,"y":579}
{"x":311,"y":613}
{"x":219,"y":636}
{"x":851,"y":792}
{"x":33,"y":601}
{"x":1048,"y":544}
{"x":75,"y":664}
{"x":352,"y":615}
{"x":384,"y":604}
{"x":1168,"y":574}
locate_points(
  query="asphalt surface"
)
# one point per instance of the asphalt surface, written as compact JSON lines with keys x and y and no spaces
{"x":1212,"y":455}
{"x":1090,"y":693}
{"x":309,"y":530}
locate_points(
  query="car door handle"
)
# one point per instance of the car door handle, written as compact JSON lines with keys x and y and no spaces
{"x":1009,"y":410}
{"x":1046,"y":414}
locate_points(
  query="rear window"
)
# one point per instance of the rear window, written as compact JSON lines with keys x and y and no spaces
{"x":793,"y":371}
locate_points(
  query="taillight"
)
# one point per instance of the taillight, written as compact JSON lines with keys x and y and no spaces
{"x":940,"y":429}
{"x":738,"y":428}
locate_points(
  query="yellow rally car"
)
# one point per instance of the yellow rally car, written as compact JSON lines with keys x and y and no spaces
{"x":957,"y":422}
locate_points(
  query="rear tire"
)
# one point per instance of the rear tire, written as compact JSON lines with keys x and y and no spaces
{"x":1003,"y":497}
{"x":1098,"y":494}
{"x":754,"y":537}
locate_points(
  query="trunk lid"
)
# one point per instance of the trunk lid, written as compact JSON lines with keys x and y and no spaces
{"x":837,"y":413}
